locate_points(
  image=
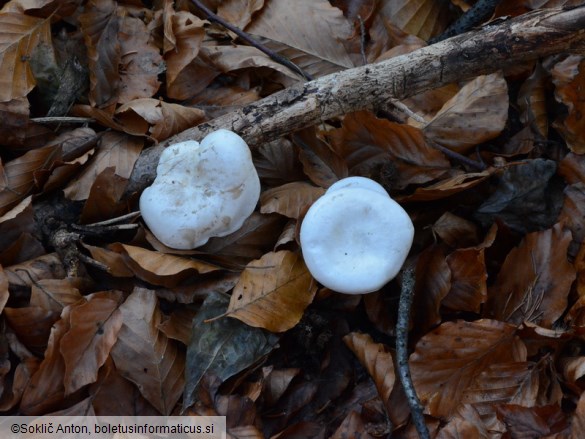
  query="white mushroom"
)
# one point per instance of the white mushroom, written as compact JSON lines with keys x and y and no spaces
{"x":201,"y":191}
{"x":355,"y":238}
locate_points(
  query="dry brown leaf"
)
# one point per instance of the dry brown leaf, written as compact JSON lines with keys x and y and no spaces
{"x":368,"y":143}
{"x":277,"y":163}
{"x":447,"y":360}
{"x":183,"y":36}
{"x":569,"y":79}
{"x":323,"y":166}
{"x":468,"y":280}
{"x":504,"y":383}
{"x":20,"y":175}
{"x":532,"y":101}
{"x":477,"y":113}
{"x":465,"y":423}
{"x":432,"y":283}
{"x":535,"y":280}
{"x":16,"y":129}
{"x":147,"y":357}
{"x":115,"y":150}
{"x":100,"y":24}
{"x":128,"y":400}
{"x":457,"y":232}
{"x":290,"y":199}
{"x":94,"y":325}
{"x":55,"y":294}
{"x":573,"y":368}
{"x":21,"y":34}
{"x":32,"y":326}
{"x":448,"y":187}
{"x":45,"y":390}
{"x":352,"y":426}
{"x":273,"y":292}
{"x":178,"y":325}
{"x":25,"y":274}
{"x":156,"y":118}
{"x":256,"y":237}
{"x":105,"y":199}
{"x":140,"y":61}
{"x":533,"y":422}
{"x":313,"y":27}
{"x":376,"y":359}
{"x":239,"y":12}
{"x":578,"y":420}
{"x":423,"y":18}
{"x":114,"y":261}
{"x":159,"y":268}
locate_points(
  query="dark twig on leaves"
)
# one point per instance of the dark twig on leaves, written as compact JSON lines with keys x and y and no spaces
{"x":402,"y":326}
{"x":480,"y":166}
{"x":214,"y":18}
{"x":477,"y":14}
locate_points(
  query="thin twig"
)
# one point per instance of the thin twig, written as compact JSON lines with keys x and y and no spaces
{"x":211,"y":16}
{"x":62,"y":119}
{"x":459,"y":157}
{"x":402,"y":325}
{"x":363,"y":40}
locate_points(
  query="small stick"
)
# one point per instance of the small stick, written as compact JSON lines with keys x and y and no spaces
{"x":244,"y":36}
{"x":62,"y":119}
{"x":402,"y":326}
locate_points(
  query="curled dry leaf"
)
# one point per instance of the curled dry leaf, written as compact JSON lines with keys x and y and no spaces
{"x":116,"y":150}
{"x":145,"y":355}
{"x":21,"y":34}
{"x":535,"y":280}
{"x":273,"y":292}
{"x":375,"y":358}
{"x":468,"y":280}
{"x":156,"y":118}
{"x":19,"y":175}
{"x":569,"y":79}
{"x":455,"y":231}
{"x":94,"y":324}
{"x":448,"y":187}
{"x":477,"y":113}
{"x":183,"y":36}
{"x":447,"y":360}
{"x":290,"y":199}
{"x":159,"y":268}
{"x":366,"y":143}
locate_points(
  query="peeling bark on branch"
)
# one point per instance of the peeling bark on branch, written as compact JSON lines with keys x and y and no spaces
{"x":494,"y":47}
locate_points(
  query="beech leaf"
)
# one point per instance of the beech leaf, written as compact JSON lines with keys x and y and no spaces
{"x":273,"y":292}
{"x":145,"y":355}
{"x":447,"y":360}
{"x":21,"y":34}
{"x":221,"y":348}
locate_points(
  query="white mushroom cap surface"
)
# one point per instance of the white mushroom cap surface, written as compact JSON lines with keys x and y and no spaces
{"x":201,"y":190}
{"x":355,"y":238}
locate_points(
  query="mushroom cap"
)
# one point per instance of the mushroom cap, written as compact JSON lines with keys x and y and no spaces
{"x":201,"y":190}
{"x":355,"y":238}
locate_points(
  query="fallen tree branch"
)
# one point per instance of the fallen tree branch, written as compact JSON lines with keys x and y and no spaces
{"x":492,"y":48}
